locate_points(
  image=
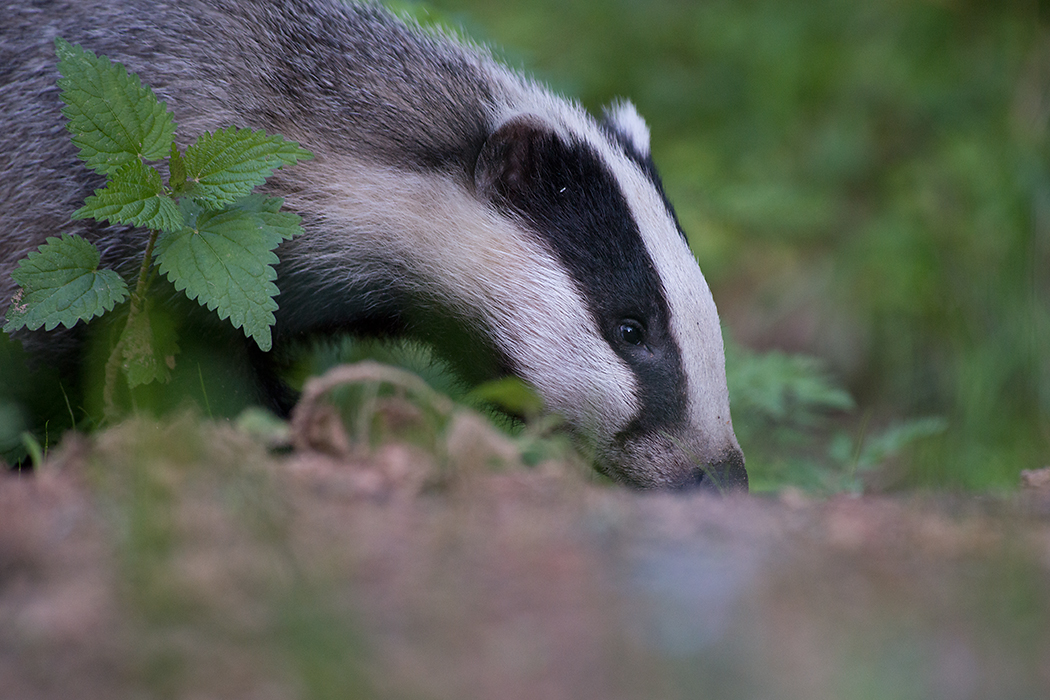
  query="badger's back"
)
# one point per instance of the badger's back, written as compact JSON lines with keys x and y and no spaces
{"x":344,"y":79}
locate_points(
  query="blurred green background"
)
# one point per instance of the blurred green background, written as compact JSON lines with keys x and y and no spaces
{"x":863,"y":183}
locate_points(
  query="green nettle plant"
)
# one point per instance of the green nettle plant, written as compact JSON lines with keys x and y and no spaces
{"x":206,"y":231}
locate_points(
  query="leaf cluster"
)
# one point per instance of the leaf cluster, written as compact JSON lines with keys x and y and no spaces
{"x":208,"y":233}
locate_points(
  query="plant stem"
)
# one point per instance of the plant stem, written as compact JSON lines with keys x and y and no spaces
{"x":138,"y":300}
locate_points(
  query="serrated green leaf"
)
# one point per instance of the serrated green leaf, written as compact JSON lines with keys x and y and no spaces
{"x":61,"y":284}
{"x":273,"y":223}
{"x":113,"y":117}
{"x":149,"y":350}
{"x":177,"y":170}
{"x":225,"y":261}
{"x":230,"y":163}
{"x":134,"y":195}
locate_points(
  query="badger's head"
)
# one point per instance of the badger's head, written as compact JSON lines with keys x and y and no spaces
{"x":619,"y":333}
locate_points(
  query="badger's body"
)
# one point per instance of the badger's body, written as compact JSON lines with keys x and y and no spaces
{"x":450,"y":200}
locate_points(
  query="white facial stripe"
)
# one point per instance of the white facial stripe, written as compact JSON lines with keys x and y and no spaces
{"x":481,"y":263}
{"x":694,"y":318}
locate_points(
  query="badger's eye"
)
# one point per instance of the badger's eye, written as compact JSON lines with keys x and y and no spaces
{"x":631,"y":332}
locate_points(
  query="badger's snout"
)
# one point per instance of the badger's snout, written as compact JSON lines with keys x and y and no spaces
{"x":724,"y":476}
{"x":682,"y":460}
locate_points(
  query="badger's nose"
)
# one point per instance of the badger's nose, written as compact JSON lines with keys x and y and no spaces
{"x":727,"y":475}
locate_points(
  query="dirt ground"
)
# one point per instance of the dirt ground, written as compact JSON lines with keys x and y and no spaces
{"x":183,"y":560}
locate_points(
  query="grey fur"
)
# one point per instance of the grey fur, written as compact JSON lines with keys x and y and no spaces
{"x":398,"y":118}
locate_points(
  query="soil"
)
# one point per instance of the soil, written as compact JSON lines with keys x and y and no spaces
{"x":183,"y":559}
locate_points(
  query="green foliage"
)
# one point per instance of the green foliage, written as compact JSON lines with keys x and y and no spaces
{"x":148,"y":349}
{"x":227,"y":165}
{"x":12,"y":427}
{"x":114,"y":119}
{"x":868,"y":453}
{"x":224,"y":259}
{"x":775,"y":389}
{"x":208,"y":234}
{"x":37,"y":452}
{"x":24,"y":396}
{"x":134,"y":195}
{"x":62,"y":284}
{"x":789,"y":412}
{"x":509,"y":394}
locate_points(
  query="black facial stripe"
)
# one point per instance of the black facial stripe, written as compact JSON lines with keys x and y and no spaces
{"x":575,"y":206}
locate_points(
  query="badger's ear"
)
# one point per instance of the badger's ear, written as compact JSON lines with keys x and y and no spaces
{"x":514,"y":159}
{"x":622,"y":121}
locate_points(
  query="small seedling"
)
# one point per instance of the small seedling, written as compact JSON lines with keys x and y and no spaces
{"x":206,"y":230}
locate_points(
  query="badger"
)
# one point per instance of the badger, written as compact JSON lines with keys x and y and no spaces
{"x":451,"y":200}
